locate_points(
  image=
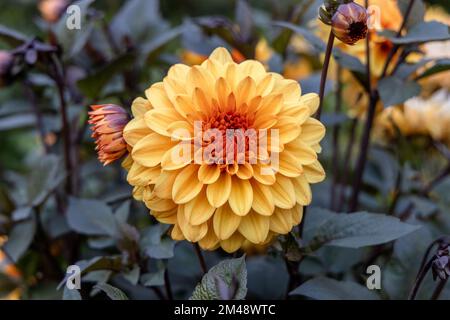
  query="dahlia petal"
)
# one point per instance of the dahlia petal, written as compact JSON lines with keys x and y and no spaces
{"x":312,"y":101}
{"x":168,"y":217}
{"x":198,"y":210}
{"x":289,"y":165}
{"x":159,"y":120}
{"x":164,"y":184}
{"x":233,"y":243}
{"x":222,"y":90}
{"x":199,"y":77}
{"x":140,"y":106}
{"x":254,"y":227}
{"x":297,"y":214}
{"x":263,"y":202}
{"x":225,"y":222}
{"x":176,"y":233}
{"x":297,"y":110}
{"x":265,"y":85}
{"x":264,"y":174}
{"x":141,"y":176}
{"x":270,"y":105}
{"x":186,"y":185}
{"x":181,"y":130}
{"x":288,"y":129}
{"x":208,"y":173}
{"x":135,"y":130}
{"x":219,"y":191}
{"x":252,"y":68}
{"x":158,"y":204}
{"x":178,"y":156}
{"x":314,"y":172}
{"x":157,"y":97}
{"x":210,"y":240}
{"x":302,"y":190}
{"x":244,"y":171}
{"x":178,"y":72}
{"x":150,"y":150}
{"x":281,"y":221}
{"x":283,"y":192}
{"x":221,"y":55}
{"x":191,"y":233}
{"x":265,"y":122}
{"x":289,"y":88}
{"x":241,"y":196}
{"x":245,"y":90}
{"x":183,"y":104}
{"x":312,"y":131}
{"x":300,"y":150}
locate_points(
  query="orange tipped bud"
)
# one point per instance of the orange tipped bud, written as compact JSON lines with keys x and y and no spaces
{"x":52,"y":10}
{"x":108,"y":121}
{"x":349,"y":23}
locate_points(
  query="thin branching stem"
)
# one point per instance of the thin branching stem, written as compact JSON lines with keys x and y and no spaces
{"x":200,"y":257}
{"x":323,"y":77}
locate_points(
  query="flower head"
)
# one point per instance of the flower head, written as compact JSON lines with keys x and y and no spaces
{"x":224,"y":152}
{"x":108,"y":121}
{"x":349,"y":23}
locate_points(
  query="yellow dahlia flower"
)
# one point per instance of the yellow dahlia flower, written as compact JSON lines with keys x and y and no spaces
{"x":418,"y":116}
{"x":220,"y":197}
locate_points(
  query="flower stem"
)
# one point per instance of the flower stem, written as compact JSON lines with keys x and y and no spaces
{"x":419,"y":279}
{"x":167,"y":284}
{"x":439,"y":288}
{"x":336,"y":130}
{"x":323,"y":77}
{"x":201,"y":259}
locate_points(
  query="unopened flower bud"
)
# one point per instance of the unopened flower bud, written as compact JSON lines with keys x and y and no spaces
{"x":52,"y":10}
{"x":108,"y":121}
{"x":6,"y":63}
{"x":349,"y":23}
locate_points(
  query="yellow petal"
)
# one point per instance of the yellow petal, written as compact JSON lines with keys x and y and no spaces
{"x":178,"y":72}
{"x":265,"y":85}
{"x":264,"y":173}
{"x":281,"y":221}
{"x":210,"y":241}
{"x":297,"y":214}
{"x":221,"y":55}
{"x":300,"y":150}
{"x":270,"y":105}
{"x":225,"y":222}
{"x":254,"y":227}
{"x":233,"y":243}
{"x":312,"y":101}
{"x":135,"y":130}
{"x":191,"y":233}
{"x":208,"y":173}
{"x":150,"y":150}
{"x":245,"y":171}
{"x":312,"y":131}
{"x":283,"y":192}
{"x":252,"y":68}
{"x":142,"y":176}
{"x":289,"y":165}
{"x":168,"y":217}
{"x":178,"y":156}
{"x":289,"y":88}
{"x":184,"y":106}
{"x":219,"y":191}
{"x":241,"y":196}
{"x":158,"y":204}
{"x":186,"y":185}
{"x":198,"y":210}
{"x":288,"y":129}
{"x":157,"y":97}
{"x":164,"y":184}
{"x":314,"y":172}
{"x":140,"y":106}
{"x":245,"y":90}
{"x":263,"y":202}
{"x":176,"y":233}
{"x":302,"y":190}
{"x":159,"y":120}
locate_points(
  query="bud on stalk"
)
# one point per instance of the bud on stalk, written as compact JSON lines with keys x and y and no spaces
{"x":349,"y":23}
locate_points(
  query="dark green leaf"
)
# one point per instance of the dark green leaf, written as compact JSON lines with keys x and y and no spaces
{"x":155,"y":245}
{"x":132,"y":275}
{"x":91,"y":217}
{"x":439,"y":66}
{"x":309,"y":36}
{"x":353,"y":230}
{"x":20,"y":238}
{"x":153,"y":279}
{"x":395,"y":91}
{"x":322,"y":288}
{"x":417,"y":13}
{"x":112,"y":292}
{"x":17,"y":121}
{"x":228,"y":272}
{"x":93,"y":84}
{"x":424,"y":32}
